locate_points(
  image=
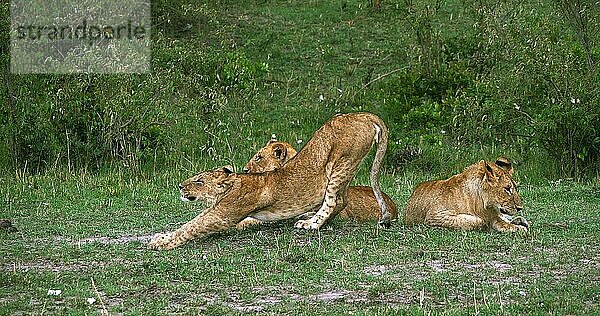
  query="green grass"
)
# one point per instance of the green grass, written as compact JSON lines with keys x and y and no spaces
{"x":276,"y":269}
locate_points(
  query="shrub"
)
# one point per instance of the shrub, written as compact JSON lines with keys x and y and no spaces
{"x":86,"y":121}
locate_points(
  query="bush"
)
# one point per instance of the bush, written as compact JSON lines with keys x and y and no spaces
{"x":87,"y":121}
{"x":475,"y":75}
{"x":519,"y":76}
{"x":546,"y":88}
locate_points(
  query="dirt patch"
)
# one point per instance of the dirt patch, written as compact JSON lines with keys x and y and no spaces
{"x":376,"y":270}
{"x":273,"y":296}
{"x":114,"y":240}
{"x":499,"y":266}
{"x":494,"y":265}
{"x":439,"y":266}
{"x":49,"y":266}
{"x":255,"y":306}
{"x":331,"y":296}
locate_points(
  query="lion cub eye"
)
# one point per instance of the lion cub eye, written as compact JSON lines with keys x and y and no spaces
{"x":258,"y":158}
{"x":199,"y":182}
{"x":508,"y":190}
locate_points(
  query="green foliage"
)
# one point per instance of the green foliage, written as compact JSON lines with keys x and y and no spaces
{"x":83,"y":121}
{"x":546,"y":84}
{"x":515,"y":76}
{"x":462,"y":80}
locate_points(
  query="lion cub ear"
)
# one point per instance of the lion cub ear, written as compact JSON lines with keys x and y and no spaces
{"x":272,"y":140}
{"x":229,"y":179}
{"x":486,"y":170}
{"x":228,"y":169}
{"x":505,"y":164}
{"x":279,"y":151}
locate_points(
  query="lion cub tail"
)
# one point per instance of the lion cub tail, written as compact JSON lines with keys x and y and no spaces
{"x":381,"y":138}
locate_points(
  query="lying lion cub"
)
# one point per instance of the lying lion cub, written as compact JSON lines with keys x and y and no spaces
{"x":317,"y":177}
{"x":362,"y":204}
{"x":484,"y":195}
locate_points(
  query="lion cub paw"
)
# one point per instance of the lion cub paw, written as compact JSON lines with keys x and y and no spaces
{"x":160,"y":241}
{"x":306,"y":224}
{"x":520,"y":221}
{"x":521,"y":229}
{"x":247,"y":222}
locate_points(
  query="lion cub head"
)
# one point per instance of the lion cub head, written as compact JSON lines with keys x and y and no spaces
{"x":274,"y":155}
{"x":208,"y":186}
{"x":499,"y":190}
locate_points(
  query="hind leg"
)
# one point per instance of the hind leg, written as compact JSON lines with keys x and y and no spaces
{"x":452,"y":219}
{"x":335,"y":200}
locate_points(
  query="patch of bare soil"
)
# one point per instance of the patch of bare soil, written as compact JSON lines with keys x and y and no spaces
{"x":42,"y":265}
{"x":114,"y":240}
{"x":376,"y":270}
{"x":49,"y":266}
{"x":269,"y":297}
{"x":441,"y":266}
{"x":330,"y":296}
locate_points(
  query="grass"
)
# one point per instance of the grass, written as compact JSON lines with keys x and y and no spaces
{"x":275,"y":269}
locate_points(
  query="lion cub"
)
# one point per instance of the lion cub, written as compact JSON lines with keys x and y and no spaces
{"x":484,"y":195}
{"x":362,"y":204}
{"x":317,"y":178}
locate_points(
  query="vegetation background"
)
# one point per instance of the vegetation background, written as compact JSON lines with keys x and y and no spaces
{"x":88,"y":161}
{"x":456,"y":81}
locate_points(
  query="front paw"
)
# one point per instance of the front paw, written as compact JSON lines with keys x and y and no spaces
{"x":160,"y":241}
{"x":519,"y":228}
{"x":247,"y":222}
{"x":520,"y":221}
{"x":306,"y":224}
{"x":507,"y":218}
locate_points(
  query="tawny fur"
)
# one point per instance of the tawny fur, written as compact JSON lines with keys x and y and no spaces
{"x":317,"y":177}
{"x":362,"y":204}
{"x":478,"y":198}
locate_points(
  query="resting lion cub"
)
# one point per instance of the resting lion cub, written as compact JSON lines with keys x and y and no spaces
{"x":362,"y":204}
{"x":317,"y":177}
{"x":484,"y":195}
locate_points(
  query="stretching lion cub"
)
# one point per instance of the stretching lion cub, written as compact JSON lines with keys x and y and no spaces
{"x":317,"y":177}
{"x":362,"y":204}
{"x":484,"y":195}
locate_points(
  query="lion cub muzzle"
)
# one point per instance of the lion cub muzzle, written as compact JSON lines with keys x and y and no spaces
{"x":184,"y":196}
{"x":188,"y":198}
